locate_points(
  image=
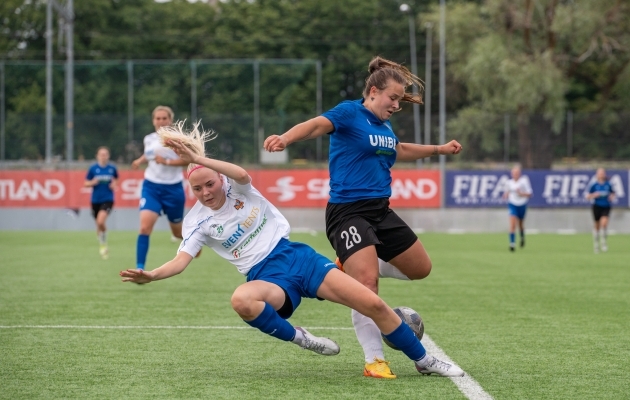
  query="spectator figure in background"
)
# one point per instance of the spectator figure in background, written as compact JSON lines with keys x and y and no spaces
{"x":162,"y":189}
{"x":602,"y":195}
{"x":102,"y":178}
{"x":370,"y":240}
{"x":518,"y":191}
{"x":243,"y":227}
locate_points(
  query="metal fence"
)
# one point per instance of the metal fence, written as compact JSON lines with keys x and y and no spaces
{"x":247,"y":100}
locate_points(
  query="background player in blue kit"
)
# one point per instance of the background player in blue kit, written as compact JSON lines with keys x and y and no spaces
{"x":359,"y":223}
{"x":102,"y":178}
{"x":602,"y":195}
{"x":518,"y":191}
{"x":162,"y":189}
{"x":243,"y":227}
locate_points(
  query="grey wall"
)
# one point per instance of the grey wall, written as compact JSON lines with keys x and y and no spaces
{"x":437,"y":220}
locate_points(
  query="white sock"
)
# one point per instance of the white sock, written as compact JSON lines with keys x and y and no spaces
{"x":369,"y":336}
{"x":604,"y":235}
{"x":102,"y":237}
{"x":595,"y":237}
{"x":299,"y":337}
{"x":387,"y":270}
{"x":424,"y":361}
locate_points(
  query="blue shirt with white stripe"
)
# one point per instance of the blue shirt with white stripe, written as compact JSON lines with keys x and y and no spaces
{"x":102,"y":193}
{"x":362,"y":151}
{"x":603,"y":190}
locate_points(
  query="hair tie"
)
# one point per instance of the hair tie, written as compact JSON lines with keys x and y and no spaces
{"x":194,"y":169}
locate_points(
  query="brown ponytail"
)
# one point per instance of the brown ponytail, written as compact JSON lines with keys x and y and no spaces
{"x":382,"y":70}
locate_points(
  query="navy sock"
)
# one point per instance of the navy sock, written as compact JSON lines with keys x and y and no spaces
{"x":512,"y":238}
{"x":522,"y":235}
{"x":272,"y":324}
{"x":142,"y":248}
{"x":404,"y":338}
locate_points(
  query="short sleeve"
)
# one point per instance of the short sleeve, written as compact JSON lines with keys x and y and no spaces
{"x":115,"y":174}
{"x":341,"y":115}
{"x":193,"y":241}
{"x":591,"y":188}
{"x":610,"y":186}
{"x":90,"y":174}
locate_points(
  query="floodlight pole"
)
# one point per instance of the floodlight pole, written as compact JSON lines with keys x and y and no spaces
{"x":427,"y":85}
{"x":414,"y":70}
{"x":443,"y":94}
{"x":67,"y":14}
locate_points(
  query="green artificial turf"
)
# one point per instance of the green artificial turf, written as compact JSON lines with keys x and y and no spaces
{"x":549,"y":321}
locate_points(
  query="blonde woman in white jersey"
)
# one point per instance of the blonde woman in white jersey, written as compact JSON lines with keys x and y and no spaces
{"x":240,"y":225}
{"x":162,"y":189}
{"x":518,"y":191}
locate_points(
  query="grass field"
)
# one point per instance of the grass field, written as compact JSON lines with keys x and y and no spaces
{"x":550,"y":321}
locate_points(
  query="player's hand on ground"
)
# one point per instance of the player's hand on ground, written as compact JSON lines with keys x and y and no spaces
{"x":275,"y":143}
{"x":452,"y":147}
{"x":135,"y":276}
{"x":181,"y":150}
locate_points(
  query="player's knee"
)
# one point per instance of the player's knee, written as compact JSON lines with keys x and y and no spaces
{"x":377,"y":307}
{"x":242,"y":303}
{"x":421,"y":271}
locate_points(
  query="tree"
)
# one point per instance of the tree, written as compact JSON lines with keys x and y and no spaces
{"x":536,"y":57}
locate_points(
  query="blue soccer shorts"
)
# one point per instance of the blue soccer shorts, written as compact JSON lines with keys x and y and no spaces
{"x":296,"y":268}
{"x":167,"y":199}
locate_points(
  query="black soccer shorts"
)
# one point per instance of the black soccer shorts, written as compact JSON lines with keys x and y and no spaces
{"x":351,"y":227}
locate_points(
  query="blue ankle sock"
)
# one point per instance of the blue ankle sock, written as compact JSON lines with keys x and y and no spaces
{"x":272,"y":324}
{"x":142,"y":248}
{"x":404,"y":338}
{"x":512,"y":238}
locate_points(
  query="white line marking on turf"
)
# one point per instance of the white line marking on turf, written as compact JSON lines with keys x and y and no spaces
{"x":466,"y":384}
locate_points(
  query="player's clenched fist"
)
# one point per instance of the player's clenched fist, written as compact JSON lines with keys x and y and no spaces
{"x":274,"y":143}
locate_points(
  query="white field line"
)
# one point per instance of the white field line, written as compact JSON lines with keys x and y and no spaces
{"x":466,"y":384}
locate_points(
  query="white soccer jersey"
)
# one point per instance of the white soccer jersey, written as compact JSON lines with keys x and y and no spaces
{"x":160,"y":173}
{"x":244,"y":231}
{"x":521,"y":185}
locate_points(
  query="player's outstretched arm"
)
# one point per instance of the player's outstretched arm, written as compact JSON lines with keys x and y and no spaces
{"x":171,"y":268}
{"x":138,"y":161}
{"x":412,"y":151}
{"x":310,"y":129}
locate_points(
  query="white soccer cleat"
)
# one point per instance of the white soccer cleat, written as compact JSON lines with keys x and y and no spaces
{"x":319,"y":345}
{"x":104,"y":252}
{"x":596,"y":249}
{"x":435,"y":366}
{"x":604,"y":247}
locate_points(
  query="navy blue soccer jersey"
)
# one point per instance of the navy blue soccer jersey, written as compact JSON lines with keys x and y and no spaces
{"x":101,"y":192}
{"x":603,"y":190}
{"x":362,"y":151}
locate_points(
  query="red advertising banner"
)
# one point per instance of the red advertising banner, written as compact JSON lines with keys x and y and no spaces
{"x":284,"y":188}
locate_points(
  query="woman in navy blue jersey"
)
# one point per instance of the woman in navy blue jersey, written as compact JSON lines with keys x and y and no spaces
{"x":370,"y":240}
{"x":102,"y":177}
{"x":602,"y":195}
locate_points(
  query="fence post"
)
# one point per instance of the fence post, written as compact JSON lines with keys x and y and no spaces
{"x":569,"y":133}
{"x":318,"y":107}
{"x":2,"y":111}
{"x":130,"y":100}
{"x":193,"y":91}
{"x":506,"y":138}
{"x":257,"y":107}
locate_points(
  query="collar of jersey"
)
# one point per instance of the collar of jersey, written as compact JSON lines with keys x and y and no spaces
{"x":373,"y":119}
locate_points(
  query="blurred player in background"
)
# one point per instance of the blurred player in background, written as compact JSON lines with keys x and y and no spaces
{"x":102,"y":177}
{"x":243,"y":227}
{"x":162,"y":189}
{"x":602,"y":195}
{"x":518,"y":191}
{"x":359,"y":223}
